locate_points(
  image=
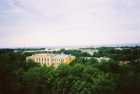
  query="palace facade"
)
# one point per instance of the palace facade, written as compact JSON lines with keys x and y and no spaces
{"x":51,"y":59}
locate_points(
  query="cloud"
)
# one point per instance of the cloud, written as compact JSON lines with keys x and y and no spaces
{"x":70,"y":22}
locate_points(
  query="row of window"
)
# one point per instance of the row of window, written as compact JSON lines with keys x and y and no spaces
{"x":50,"y":63}
{"x":47,"y":60}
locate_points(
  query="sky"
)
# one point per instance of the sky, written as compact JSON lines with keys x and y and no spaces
{"x":40,"y":23}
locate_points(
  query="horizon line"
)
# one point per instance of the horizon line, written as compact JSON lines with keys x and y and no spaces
{"x":77,"y":46}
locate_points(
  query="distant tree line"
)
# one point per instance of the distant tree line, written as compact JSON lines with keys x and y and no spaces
{"x":128,"y":53}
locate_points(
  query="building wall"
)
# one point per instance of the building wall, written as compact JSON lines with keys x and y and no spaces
{"x":51,"y":59}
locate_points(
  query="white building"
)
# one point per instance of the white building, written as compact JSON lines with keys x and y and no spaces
{"x":89,"y":51}
{"x":51,"y":59}
{"x":103,"y":59}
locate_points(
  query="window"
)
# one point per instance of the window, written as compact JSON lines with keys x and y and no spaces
{"x":42,"y":59}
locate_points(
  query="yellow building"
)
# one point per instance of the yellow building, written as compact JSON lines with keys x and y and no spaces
{"x":51,"y":59}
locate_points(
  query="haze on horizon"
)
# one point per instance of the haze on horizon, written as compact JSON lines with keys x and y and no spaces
{"x":28,"y":23}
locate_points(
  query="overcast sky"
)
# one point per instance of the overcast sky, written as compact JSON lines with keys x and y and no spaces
{"x":27,"y":23}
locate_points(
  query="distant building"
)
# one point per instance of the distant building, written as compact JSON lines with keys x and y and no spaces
{"x":100,"y":59}
{"x":124,"y":62}
{"x":51,"y":59}
{"x":89,"y":51}
{"x":119,"y":48}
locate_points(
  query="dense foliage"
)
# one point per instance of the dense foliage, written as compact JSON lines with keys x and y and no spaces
{"x":82,"y":76}
{"x":128,"y":53}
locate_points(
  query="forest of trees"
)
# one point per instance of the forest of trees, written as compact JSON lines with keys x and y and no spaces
{"x":82,"y":76}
